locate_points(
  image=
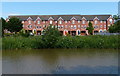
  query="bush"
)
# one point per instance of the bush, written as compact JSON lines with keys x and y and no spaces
{"x":37,"y":42}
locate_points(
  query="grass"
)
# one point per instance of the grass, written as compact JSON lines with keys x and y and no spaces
{"x":36,"y":42}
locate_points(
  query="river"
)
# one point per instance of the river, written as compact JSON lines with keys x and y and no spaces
{"x":60,"y":61}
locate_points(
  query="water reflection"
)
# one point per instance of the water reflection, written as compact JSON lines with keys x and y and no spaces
{"x":60,"y":61}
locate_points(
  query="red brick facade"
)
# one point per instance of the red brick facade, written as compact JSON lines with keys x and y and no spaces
{"x":75,"y":25}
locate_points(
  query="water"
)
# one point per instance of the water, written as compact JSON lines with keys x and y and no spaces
{"x":60,"y":61}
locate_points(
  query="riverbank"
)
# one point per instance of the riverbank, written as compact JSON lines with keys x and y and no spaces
{"x":37,"y":42}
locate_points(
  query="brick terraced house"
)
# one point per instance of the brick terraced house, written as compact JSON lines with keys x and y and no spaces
{"x":72,"y":24}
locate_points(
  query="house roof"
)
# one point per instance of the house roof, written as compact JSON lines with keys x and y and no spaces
{"x":64,"y":17}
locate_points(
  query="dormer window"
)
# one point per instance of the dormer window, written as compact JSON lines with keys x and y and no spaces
{"x":73,"y":21}
{"x":83,"y":22}
{"x":110,"y":20}
{"x":51,"y":22}
{"x":78,"y":21}
{"x":55,"y":21}
{"x":65,"y":21}
{"x":29,"y":22}
{"x":104,"y":21}
{"x":96,"y":22}
{"x":38,"y":22}
{"x":60,"y":22}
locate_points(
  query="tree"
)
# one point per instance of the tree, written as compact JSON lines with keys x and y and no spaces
{"x":3,"y":25}
{"x":14,"y":24}
{"x":115,"y":28}
{"x":90,"y":28}
{"x":50,"y":36}
{"x":115,"y":17}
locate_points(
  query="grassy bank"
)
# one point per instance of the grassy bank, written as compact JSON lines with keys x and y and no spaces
{"x":36,"y":42}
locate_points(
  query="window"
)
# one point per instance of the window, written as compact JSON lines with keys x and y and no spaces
{"x":65,"y":26}
{"x":73,"y":21}
{"x":52,"y":26}
{"x":81,"y":26}
{"x":78,"y":21}
{"x":84,"y":26}
{"x":62,"y":26}
{"x":22,"y":25}
{"x":95,"y":26}
{"x":29,"y":26}
{"x":100,"y":21}
{"x":38,"y":22}
{"x":29,"y":22}
{"x":43,"y":21}
{"x":58,"y":26}
{"x":60,"y":22}
{"x":83,"y":22}
{"x":104,"y":21}
{"x":44,"y":25}
{"x":104,"y":26}
{"x":71,"y":26}
{"x":100,"y":30}
{"x":55,"y":21}
{"x":40,"y":27}
{"x":51,"y":22}
{"x":37,"y":27}
{"x":74,"y":26}
{"x":55,"y":26}
{"x":100,"y":26}
{"x":78,"y":26}
{"x":65,"y":21}
{"x":96,"y":22}
{"x":111,"y":20}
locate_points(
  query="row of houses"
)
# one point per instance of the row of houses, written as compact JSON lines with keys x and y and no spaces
{"x":66,"y":24}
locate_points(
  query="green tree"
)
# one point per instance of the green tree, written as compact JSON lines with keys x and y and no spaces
{"x":115,"y":17}
{"x":14,"y":24}
{"x":90,"y":28}
{"x":3,"y":25}
{"x":115,"y":28}
{"x":50,"y":36}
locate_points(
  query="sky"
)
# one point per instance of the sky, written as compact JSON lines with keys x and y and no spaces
{"x":59,"y":8}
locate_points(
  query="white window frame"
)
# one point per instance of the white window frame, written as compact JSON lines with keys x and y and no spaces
{"x":83,"y":22}
{"x":60,"y":22}
{"x":74,"y":26}
{"x":65,"y":21}
{"x":73,"y":21}
{"x":96,"y":21}
{"x":51,"y":21}
{"x":29,"y":22}
{"x":111,"y":21}
{"x":38,"y":22}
